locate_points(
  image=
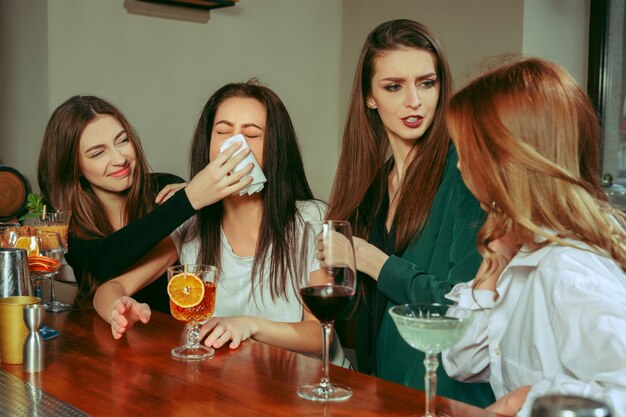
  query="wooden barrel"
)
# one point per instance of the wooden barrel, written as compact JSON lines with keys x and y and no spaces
{"x":13,"y":192}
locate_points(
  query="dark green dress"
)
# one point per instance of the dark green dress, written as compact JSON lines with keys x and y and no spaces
{"x":443,"y":255}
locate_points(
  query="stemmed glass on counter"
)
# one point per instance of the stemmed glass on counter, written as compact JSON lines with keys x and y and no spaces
{"x":191,"y":289}
{"x":328,"y":287}
{"x":431,"y":328}
{"x":46,"y":266}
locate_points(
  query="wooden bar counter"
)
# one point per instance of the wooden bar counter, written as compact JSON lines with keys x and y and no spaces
{"x":136,"y":376}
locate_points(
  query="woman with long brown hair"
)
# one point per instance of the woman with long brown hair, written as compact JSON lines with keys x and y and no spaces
{"x":397,"y":183}
{"x":255,"y":239}
{"x":550,"y":302}
{"x":92,"y":164}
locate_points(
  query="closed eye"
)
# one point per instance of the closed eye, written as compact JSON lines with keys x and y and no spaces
{"x":252,"y":132}
{"x":123,"y":141}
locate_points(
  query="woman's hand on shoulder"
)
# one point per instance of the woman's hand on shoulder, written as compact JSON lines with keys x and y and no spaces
{"x":125,"y":312}
{"x":168,"y":191}
{"x":215,"y":181}
{"x":222,"y":329}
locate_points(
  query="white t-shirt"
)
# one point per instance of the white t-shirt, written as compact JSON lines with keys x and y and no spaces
{"x":235,"y":295}
{"x":558,"y":325}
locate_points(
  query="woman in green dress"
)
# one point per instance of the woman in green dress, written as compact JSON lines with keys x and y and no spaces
{"x":414,"y":220}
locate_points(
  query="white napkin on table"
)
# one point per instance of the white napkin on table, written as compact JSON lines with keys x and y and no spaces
{"x":258,"y":178}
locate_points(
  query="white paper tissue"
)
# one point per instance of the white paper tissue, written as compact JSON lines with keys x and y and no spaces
{"x":258,"y":178}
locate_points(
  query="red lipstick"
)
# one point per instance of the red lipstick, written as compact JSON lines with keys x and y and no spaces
{"x":412,"y":122}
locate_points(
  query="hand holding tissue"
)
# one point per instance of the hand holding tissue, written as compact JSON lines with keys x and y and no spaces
{"x":258,"y":178}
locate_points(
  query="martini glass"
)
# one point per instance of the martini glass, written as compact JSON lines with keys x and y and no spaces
{"x":431,"y":328}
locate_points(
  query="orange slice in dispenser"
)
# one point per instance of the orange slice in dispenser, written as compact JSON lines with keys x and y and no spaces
{"x":28,"y":243}
{"x":185,"y":290}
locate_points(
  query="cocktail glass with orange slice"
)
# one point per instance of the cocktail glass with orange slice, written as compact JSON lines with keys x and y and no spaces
{"x":44,"y":263}
{"x":191,"y":289}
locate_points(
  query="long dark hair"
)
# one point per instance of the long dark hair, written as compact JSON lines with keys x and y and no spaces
{"x":286,"y":184}
{"x":59,"y":176}
{"x":365,"y":145}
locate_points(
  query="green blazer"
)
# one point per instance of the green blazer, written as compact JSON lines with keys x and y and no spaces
{"x":443,"y":255}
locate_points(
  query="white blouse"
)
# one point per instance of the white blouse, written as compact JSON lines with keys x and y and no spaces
{"x":558,"y":325}
{"x":236,"y":295}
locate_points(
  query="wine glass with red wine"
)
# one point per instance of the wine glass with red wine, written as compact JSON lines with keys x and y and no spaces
{"x":328,"y":289}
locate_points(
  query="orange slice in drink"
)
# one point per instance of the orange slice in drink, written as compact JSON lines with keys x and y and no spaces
{"x":42,"y":264}
{"x":28,"y":243}
{"x":185,"y":290}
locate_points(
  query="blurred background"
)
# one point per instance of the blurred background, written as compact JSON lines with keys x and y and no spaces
{"x":159,"y":64}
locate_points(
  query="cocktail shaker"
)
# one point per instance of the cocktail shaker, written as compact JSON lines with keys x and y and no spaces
{"x":34,"y":348}
{"x":568,"y":406}
{"x":14,"y":276}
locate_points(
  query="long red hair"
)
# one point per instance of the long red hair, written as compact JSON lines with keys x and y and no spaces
{"x":529,"y":144}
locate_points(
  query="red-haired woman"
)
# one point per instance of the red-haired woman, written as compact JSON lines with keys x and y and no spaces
{"x":550,"y":301}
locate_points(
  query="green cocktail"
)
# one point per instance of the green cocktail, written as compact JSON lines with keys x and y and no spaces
{"x":431,"y":328}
